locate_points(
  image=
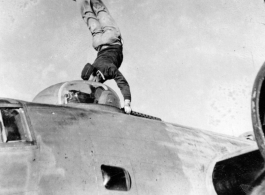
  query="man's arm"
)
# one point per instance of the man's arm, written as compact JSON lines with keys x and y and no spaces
{"x":124,"y":87}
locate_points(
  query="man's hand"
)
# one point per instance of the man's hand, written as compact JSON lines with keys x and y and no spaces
{"x":127,"y":106}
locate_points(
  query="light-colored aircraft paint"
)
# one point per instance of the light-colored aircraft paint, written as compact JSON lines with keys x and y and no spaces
{"x":190,"y":62}
{"x":68,"y":145}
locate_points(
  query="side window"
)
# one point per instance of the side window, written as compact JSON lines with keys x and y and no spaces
{"x":13,"y":125}
{"x":116,"y":178}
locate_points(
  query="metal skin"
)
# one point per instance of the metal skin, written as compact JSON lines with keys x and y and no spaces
{"x":68,"y":145}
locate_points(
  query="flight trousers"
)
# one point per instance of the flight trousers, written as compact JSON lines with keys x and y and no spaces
{"x":102,"y":26}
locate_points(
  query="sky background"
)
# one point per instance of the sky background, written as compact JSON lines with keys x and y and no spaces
{"x":189,"y":62}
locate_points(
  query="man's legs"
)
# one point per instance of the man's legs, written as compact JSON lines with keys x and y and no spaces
{"x":111,"y":33}
{"x":91,"y":20}
{"x":102,"y":26}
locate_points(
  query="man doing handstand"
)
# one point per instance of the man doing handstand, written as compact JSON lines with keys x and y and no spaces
{"x":107,"y":41}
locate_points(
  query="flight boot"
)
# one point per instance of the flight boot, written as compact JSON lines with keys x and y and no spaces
{"x":98,"y":6}
{"x":86,"y":10}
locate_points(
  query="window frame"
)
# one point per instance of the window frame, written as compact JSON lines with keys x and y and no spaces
{"x":25,"y":125}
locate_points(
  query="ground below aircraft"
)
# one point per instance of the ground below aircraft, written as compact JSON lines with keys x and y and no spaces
{"x":73,"y":138}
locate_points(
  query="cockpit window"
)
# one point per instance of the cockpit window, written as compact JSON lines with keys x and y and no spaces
{"x":79,"y":97}
{"x":97,"y":95}
{"x":13,"y":125}
{"x":75,"y":96}
{"x":79,"y":92}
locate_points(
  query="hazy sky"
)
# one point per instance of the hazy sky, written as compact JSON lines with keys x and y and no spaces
{"x":190,"y":62}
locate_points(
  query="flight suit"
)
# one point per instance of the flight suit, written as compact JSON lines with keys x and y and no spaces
{"x":107,"y":41}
